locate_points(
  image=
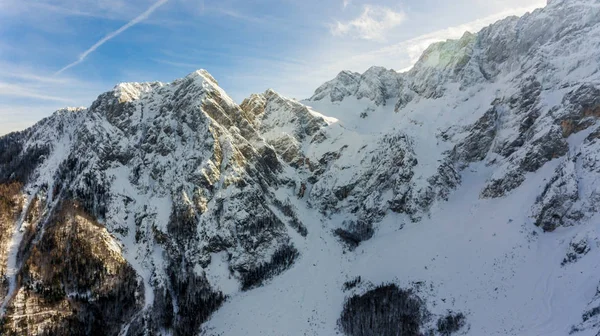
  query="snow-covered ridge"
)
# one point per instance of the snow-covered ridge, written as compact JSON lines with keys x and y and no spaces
{"x":485,"y":57}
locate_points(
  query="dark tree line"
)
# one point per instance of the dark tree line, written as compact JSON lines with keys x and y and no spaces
{"x":194,"y":298}
{"x":391,"y":311}
{"x":183,"y":223}
{"x":65,"y":174}
{"x":187,"y":300}
{"x":11,"y":146}
{"x":384,"y":311}
{"x":163,"y":313}
{"x":450,"y":323}
{"x":281,"y":260}
{"x":256,"y":226}
{"x":93,"y":194}
{"x":17,"y":163}
{"x":90,"y":189}
{"x":348,"y":285}
{"x":288,"y":210}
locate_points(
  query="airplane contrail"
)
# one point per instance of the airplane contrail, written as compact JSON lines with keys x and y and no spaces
{"x":105,"y":39}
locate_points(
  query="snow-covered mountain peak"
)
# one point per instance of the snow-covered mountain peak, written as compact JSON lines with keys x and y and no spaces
{"x":496,"y":51}
{"x":70,"y":109}
{"x":67,"y":112}
{"x":376,"y":84}
{"x":280,"y":120}
{"x":201,"y":80}
{"x":126,"y":92}
{"x":204,"y":75}
{"x":551,"y":3}
{"x":343,"y":85}
{"x":471,"y":180}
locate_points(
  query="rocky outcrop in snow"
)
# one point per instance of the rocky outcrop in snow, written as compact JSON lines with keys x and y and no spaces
{"x":377,"y":84}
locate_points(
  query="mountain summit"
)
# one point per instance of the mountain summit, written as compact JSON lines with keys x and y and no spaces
{"x":459,"y":197}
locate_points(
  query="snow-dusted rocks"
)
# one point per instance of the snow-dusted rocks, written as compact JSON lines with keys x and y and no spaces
{"x":579,"y":246}
{"x":581,"y":109}
{"x":285,"y":124}
{"x":571,"y":195}
{"x":177,"y":172}
{"x":376,"y":84}
{"x":556,"y":201}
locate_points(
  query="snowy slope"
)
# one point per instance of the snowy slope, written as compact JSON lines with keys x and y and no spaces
{"x":471,"y":179}
{"x":480,"y":252}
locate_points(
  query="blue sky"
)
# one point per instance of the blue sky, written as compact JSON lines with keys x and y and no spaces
{"x":56,"y":53}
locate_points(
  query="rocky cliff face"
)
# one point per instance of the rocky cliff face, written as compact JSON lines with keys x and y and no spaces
{"x":177,"y":174}
{"x":544,"y":82}
{"x":162,"y":204}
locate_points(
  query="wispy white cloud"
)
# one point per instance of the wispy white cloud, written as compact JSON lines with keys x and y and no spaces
{"x":104,"y":9}
{"x":25,"y":76}
{"x":24,"y":85}
{"x":345,"y":3}
{"x":239,"y":16}
{"x":28,"y":95}
{"x":15,"y":90}
{"x":177,"y":64}
{"x":372,"y":24}
{"x":110,"y":36}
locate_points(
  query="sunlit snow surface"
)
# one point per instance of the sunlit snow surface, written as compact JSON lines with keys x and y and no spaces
{"x":484,"y":257}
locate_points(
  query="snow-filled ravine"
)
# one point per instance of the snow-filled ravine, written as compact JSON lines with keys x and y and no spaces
{"x":482,"y":257}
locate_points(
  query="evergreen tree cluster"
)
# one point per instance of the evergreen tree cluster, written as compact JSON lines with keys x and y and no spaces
{"x":288,"y":210}
{"x":183,"y":222}
{"x":89,"y":189}
{"x":67,"y":171}
{"x":280,"y":261}
{"x":11,"y":146}
{"x":16,"y":162}
{"x":195,"y":299}
{"x":384,"y":311}
{"x":257,"y":229}
{"x":163,"y":316}
{"x":190,"y":292}
{"x":92,"y":194}
{"x":450,"y":323}
{"x":348,"y":285}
